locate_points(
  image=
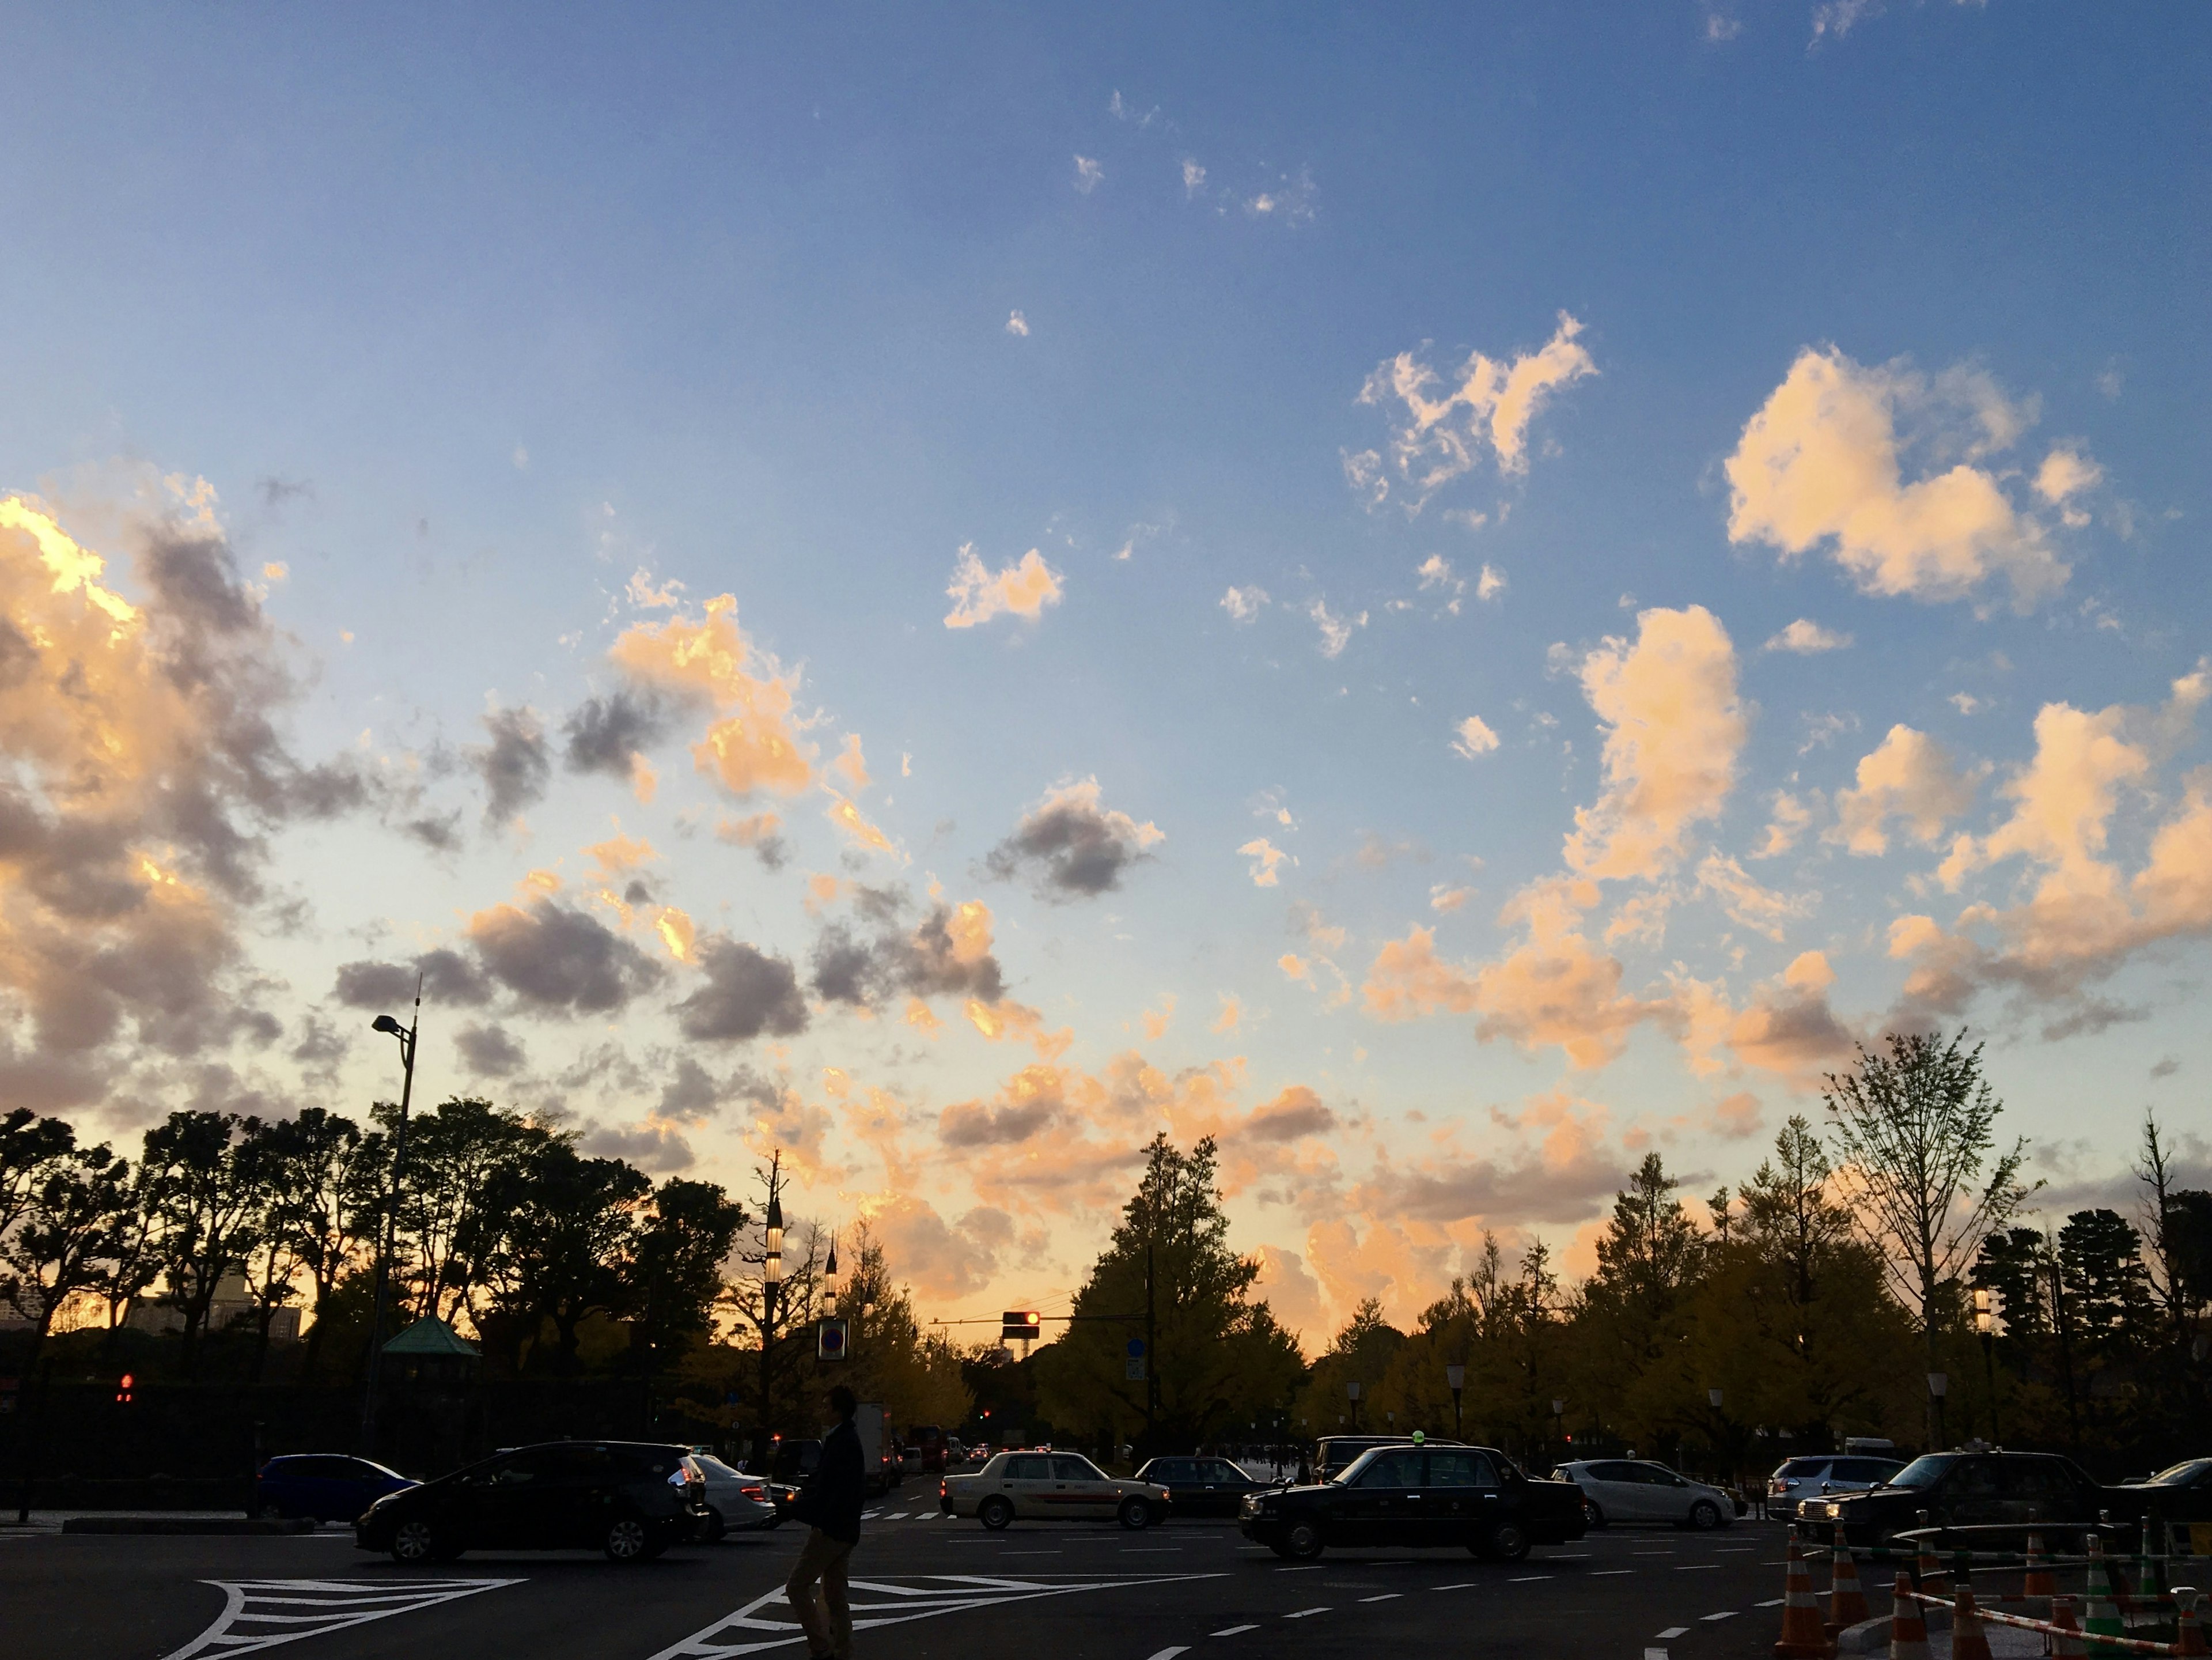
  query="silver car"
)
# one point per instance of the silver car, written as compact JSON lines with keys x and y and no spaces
{"x":1636,"y":1490}
{"x":736,"y":1502}
{"x":1818,"y":1474}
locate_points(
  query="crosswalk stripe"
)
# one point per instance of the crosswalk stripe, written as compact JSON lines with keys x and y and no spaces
{"x":260,"y":1613}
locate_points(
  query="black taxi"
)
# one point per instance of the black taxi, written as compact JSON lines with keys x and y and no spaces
{"x":1412,"y":1495}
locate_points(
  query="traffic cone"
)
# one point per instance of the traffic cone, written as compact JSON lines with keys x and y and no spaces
{"x":2066,"y":1641}
{"x":1929,"y":1567}
{"x":2150,"y":1562}
{"x":2188,"y":1635}
{"x":1968,"y":1640}
{"x":1908,"y":1626}
{"x":1801,"y":1637}
{"x":2040,"y":1581}
{"x":1847,"y":1603}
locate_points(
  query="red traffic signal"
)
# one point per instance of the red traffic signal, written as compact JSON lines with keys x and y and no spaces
{"x":122,"y":1390}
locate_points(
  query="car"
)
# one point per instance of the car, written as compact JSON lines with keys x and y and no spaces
{"x":2180,"y":1493}
{"x":909,"y":1461}
{"x":1054,"y":1486}
{"x":1824,"y":1472}
{"x":736,"y":1502}
{"x":1638,"y":1490}
{"x":323,"y":1487}
{"x":790,"y":1469}
{"x":1964,"y":1489}
{"x":1202,"y":1486}
{"x":632,"y":1500}
{"x":1336,"y":1453}
{"x":1432,"y":1495}
{"x":928,"y":1441}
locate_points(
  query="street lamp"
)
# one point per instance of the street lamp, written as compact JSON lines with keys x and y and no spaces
{"x":1352,"y":1389}
{"x":829,"y":1280}
{"x":771,"y":1280}
{"x":1559,"y":1421}
{"x":1939,"y":1385}
{"x":1985,"y":1327}
{"x":385,"y":1022}
{"x":1456,"y":1380}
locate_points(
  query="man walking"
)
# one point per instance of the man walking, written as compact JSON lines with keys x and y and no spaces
{"x":830,"y":1503}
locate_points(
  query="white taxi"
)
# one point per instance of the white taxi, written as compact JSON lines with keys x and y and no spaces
{"x":1050,"y":1486}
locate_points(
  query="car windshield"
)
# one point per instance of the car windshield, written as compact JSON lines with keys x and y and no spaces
{"x":1924,"y":1472}
{"x":2182,"y":1474}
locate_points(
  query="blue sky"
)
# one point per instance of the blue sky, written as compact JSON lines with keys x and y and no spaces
{"x":487,"y":329}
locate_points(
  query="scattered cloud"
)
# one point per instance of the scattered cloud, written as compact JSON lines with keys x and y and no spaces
{"x":1073,"y":846}
{"x":1088,"y":172}
{"x":516,"y":766}
{"x":489,"y":1051}
{"x":1489,"y":586}
{"x":1335,"y":631}
{"x":1909,"y":776}
{"x":1474,"y":737}
{"x":758,"y":833}
{"x":745,"y":993}
{"x":556,"y":957}
{"x":1023,"y":588}
{"x":1193,"y":179}
{"x":1806,"y":638}
{"x":750,"y":745}
{"x":1243,"y":604}
{"x":1018,"y":325}
{"x":1438,"y":576}
{"x":1265,"y":857}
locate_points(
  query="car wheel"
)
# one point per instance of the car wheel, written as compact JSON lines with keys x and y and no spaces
{"x":716,"y":1527}
{"x":1508,"y":1541}
{"x":626,"y":1539}
{"x":994,"y":1513}
{"x":1593,"y":1517}
{"x":1704,"y":1516}
{"x":1304,"y":1542}
{"x":1136,"y":1514}
{"x":415,"y":1542}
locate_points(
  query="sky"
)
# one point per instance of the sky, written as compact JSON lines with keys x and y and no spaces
{"x":1445,"y":596}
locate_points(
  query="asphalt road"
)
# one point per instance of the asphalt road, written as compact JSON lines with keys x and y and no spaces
{"x":933,"y":1586}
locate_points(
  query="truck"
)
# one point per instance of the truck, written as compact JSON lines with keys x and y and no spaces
{"x":878,"y":1456}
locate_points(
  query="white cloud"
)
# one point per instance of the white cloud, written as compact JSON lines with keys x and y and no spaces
{"x":1441,"y":430}
{"x":1444,"y":898}
{"x":1265,"y":857}
{"x":1908,"y":775}
{"x":1475,"y":737}
{"x":1291,"y":200}
{"x":1491,"y":585}
{"x":1805,"y":637}
{"x":1823,"y":464}
{"x":1194,"y":177}
{"x":1335,"y":630}
{"x":1022,"y":589}
{"x":2063,"y":475}
{"x":1088,"y":172}
{"x":1244,"y":603}
{"x":1748,"y":902}
{"x":1018,"y":325}
{"x":1436,"y":573}
{"x":1791,"y":819}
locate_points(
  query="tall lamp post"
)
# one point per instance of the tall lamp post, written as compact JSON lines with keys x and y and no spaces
{"x":1456,"y":1380}
{"x":1985,"y":1328}
{"x":1352,"y":1389}
{"x":1939,"y":1385}
{"x":385,"y":1022}
{"x":771,"y":1283}
{"x":1559,"y":1421}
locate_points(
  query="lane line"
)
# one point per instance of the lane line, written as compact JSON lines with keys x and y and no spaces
{"x":1611,"y":1573}
{"x":1698,"y":1567}
{"x":1726,"y":1613}
{"x":1655,"y":1654}
{"x":1771,"y":1603}
{"x":1169,"y":1654}
{"x":1303,"y":1613}
{"x":1673,"y":1631}
{"x":1231,"y":1631}
{"x":1463,"y":1584}
{"x":1387,"y":1597}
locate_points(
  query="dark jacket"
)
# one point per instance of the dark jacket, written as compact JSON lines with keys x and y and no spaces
{"x":833,"y":1496}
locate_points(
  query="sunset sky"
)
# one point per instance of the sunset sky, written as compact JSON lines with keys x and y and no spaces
{"x":1447,"y":595}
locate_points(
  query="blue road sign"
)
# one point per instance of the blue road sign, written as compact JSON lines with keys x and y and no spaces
{"x":1136,"y":1348}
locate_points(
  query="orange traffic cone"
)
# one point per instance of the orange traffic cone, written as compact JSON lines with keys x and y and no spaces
{"x":1928,"y":1569}
{"x":2041,"y":1581}
{"x":2066,"y":1641}
{"x":1801,"y":1637}
{"x":1908,"y":1626}
{"x":1968,"y":1640}
{"x":1847,"y":1603}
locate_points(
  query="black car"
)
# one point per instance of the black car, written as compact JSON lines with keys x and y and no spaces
{"x":791,"y":1468}
{"x":1405,"y":1495}
{"x":1967,"y":1489}
{"x":2178,"y":1495}
{"x":1201,"y":1487}
{"x":1333,"y":1454}
{"x":324,"y":1486}
{"x":631,"y":1500}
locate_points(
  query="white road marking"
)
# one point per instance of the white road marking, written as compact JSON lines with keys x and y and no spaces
{"x":1673,"y":1631}
{"x":1611,"y":1573}
{"x":1698,"y":1567}
{"x":1463,"y":1584}
{"x":1655,"y":1654}
{"x":768,"y":1622}
{"x":1308,"y":1567}
{"x":1529,"y":1578}
{"x":260,"y":1613}
{"x":1231,"y":1631}
{"x":1725,"y":1613}
{"x":1771,"y":1603}
{"x":1303,"y":1613}
{"x":1169,"y":1654}
{"x":1387,"y":1597}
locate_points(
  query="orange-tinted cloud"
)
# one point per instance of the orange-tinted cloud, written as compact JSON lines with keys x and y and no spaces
{"x":1022,"y":589}
{"x":1909,"y":776}
{"x":749,"y":746}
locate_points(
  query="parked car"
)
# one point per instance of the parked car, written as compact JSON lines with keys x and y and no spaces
{"x":1051,"y":1487}
{"x":1960,"y":1489}
{"x":736,"y":1502}
{"x":1201,"y":1487}
{"x":1637,"y":1490}
{"x":1336,"y":1453}
{"x":2179,"y":1493}
{"x":1823,"y":1473}
{"x":1406,"y":1495}
{"x":631,"y":1500}
{"x":324,"y":1486}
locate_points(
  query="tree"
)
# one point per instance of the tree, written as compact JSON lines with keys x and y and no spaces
{"x":203,"y":1200}
{"x":780,"y":1311}
{"x":459,"y":1157}
{"x":66,"y":1220}
{"x":676,"y":1254}
{"x":1629,"y":1317}
{"x":916,"y":1375}
{"x":565,"y":1232}
{"x":1217,"y":1358}
{"x":325,"y":1185}
{"x":1915,"y":1127}
{"x":28,"y":1146}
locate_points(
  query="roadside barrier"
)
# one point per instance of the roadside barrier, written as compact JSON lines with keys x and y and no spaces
{"x":2066,"y":1636}
{"x":1968,"y":1640}
{"x":1802,"y":1637}
{"x":2103,"y":1618}
{"x":1927,"y":1569}
{"x":1908,"y":1626}
{"x":1847,"y":1603}
{"x":2041,"y":1581}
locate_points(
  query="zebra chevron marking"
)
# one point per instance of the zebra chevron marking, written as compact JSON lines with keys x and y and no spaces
{"x":768,"y":1622}
{"x":261,"y":1614}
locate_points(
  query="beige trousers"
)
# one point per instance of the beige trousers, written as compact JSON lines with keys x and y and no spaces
{"x":827,"y":1617}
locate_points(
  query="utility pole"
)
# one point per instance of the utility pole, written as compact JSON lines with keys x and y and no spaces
{"x":385,"y":1022}
{"x":1151,"y":1350}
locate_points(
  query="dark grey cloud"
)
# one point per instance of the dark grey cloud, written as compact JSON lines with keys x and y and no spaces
{"x":974,"y":1124}
{"x":692,"y":1094}
{"x":654,"y":1148}
{"x":440,"y":832}
{"x":1070,"y":847}
{"x":2165,"y":1067}
{"x":322,"y":1047}
{"x":745,"y":993}
{"x":489,"y":1051}
{"x":604,"y":732}
{"x":558,"y":957}
{"x":516,"y":766}
{"x":275,"y":492}
{"x":894,"y":961}
{"x":449,"y":980}
{"x":1296,"y":1111}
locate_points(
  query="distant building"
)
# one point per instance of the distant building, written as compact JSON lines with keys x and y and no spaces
{"x":231,"y":1303}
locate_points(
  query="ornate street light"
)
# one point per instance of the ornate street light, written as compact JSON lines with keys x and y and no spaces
{"x":385,"y":1022}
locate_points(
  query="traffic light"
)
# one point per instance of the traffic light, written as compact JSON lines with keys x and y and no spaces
{"x":1027,"y":1324}
{"x":122,"y":1390}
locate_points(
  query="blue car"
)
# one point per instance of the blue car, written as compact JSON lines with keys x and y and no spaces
{"x":324,"y":1486}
